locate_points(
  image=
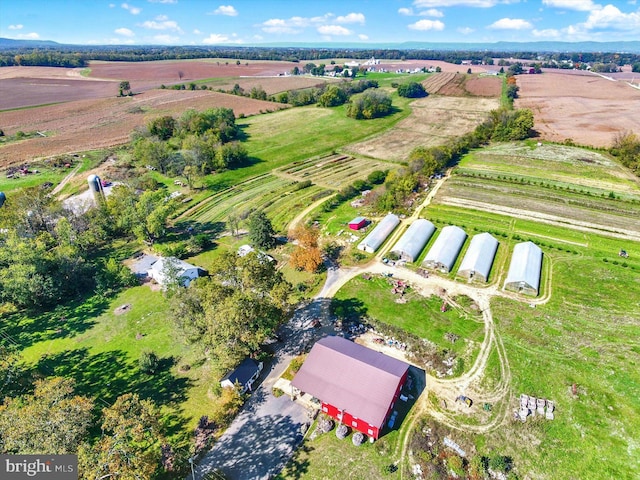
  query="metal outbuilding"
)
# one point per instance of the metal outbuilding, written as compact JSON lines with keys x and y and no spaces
{"x":413,"y":240}
{"x":379,"y":234}
{"x":478,"y":260}
{"x":525,"y":269}
{"x":445,"y":249}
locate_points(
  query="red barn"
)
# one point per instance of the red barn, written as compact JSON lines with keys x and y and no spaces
{"x":358,"y":223}
{"x":356,"y":385}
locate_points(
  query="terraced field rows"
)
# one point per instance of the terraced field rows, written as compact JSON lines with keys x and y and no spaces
{"x":438,"y":80}
{"x":279,"y":197}
{"x":333,"y":171}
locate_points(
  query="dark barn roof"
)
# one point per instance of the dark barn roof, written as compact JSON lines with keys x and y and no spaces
{"x":349,"y":376}
{"x":243,"y":373}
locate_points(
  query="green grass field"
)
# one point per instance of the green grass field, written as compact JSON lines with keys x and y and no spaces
{"x":420,"y":316}
{"x":100,"y":350}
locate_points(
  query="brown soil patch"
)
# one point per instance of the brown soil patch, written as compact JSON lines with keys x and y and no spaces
{"x":484,"y":86}
{"x":580,"y":106}
{"x":461,"y":85}
{"x":152,"y":74}
{"x":102,"y":123}
{"x":434,"y":120}
{"x":122,"y":309}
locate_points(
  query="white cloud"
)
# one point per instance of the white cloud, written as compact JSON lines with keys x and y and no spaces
{"x":580,"y":5}
{"x":15,"y":27}
{"x":116,"y":41}
{"x":293,"y":24}
{"x":162,"y":1}
{"x":132,"y":10}
{"x":432,"y":12}
{"x":362,"y":36}
{"x":612,"y":17}
{"x":28,"y":36}
{"x":216,"y":38}
{"x":456,"y":3}
{"x":112,"y":5}
{"x":427,"y":25}
{"x":405,"y":11}
{"x":227,"y":10}
{"x":546,"y":33}
{"x":125,"y":32}
{"x":196,"y":31}
{"x":170,"y":25}
{"x":162,"y":18}
{"x":163,"y":38}
{"x":511,"y":24}
{"x":466,"y":30}
{"x":351,"y":18}
{"x":334,"y":30}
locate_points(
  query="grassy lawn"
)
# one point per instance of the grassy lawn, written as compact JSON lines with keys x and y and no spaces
{"x":88,"y":342}
{"x":420,"y":316}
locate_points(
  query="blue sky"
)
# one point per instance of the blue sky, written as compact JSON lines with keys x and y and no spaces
{"x":247,"y":22}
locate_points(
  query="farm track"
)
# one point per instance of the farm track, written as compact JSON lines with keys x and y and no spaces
{"x":549,"y":219}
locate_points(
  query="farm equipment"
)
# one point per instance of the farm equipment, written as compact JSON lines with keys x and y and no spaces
{"x":623,"y":253}
{"x":466,"y":400}
{"x":486,"y":407}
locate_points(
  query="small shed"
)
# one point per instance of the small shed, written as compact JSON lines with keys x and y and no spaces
{"x":413,"y":240}
{"x":525,"y":269}
{"x":358,"y":223}
{"x":478,"y":260}
{"x":244,"y":375}
{"x":379,"y":234}
{"x":163,"y":268}
{"x":445,"y":249}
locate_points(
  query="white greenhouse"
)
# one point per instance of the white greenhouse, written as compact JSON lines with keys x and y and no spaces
{"x":478,"y":260}
{"x":525,"y":269}
{"x":379,"y":234}
{"x":445,"y":249}
{"x":413,"y":240}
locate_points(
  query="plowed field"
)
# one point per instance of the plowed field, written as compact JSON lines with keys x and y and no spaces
{"x":433,"y":121}
{"x":581,"y":106}
{"x":460,"y":85}
{"x":99,"y":123}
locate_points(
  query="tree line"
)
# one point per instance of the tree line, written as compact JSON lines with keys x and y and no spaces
{"x":79,"y":56}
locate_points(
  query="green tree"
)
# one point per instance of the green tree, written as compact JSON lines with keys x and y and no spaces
{"x":512,"y":92}
{"x":258,"y":93}
{"x":129,"y":448}
{"x":626,"y":146}
{"x":370,"y":104}
{"x":52,"y":420}
{"x":124,"y":88}
{"x":162,"y":127}
{"x":236,"y":309}
{"x":332,"y":97}
{"x":261,"y":233}
{"x":150,"y":151}
{"x":412,"y":90}
{"x":148,"y":362}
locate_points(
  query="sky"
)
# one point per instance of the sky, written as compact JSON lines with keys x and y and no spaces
{"x":254,"y":22}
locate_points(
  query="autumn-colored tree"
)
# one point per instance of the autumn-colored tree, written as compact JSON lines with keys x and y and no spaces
{"x":52,"y":420}
{"x":130,"y":446}
{"x":306,"y":256}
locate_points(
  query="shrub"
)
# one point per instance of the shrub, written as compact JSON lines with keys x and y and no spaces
{"x":148,"y":362}
{"x":371,"y":104}
{"x":412,"y":90}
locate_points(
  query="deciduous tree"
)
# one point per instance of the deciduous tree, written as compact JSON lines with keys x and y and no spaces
{"x":52,"y":420}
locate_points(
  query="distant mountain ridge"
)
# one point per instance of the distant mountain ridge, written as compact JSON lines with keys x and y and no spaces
{"x":544,"y":46}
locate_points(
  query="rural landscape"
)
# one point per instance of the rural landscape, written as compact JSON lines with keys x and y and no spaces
{"x":188,"y":245}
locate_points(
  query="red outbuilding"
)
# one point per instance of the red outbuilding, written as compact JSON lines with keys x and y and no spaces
{"x":358,"y":223}
{"x":355,"y":385}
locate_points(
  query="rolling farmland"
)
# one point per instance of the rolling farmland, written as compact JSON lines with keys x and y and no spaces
{"x":549,"y":183}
